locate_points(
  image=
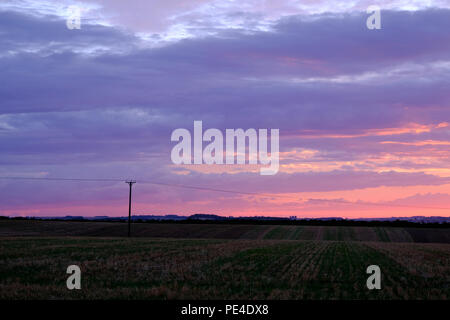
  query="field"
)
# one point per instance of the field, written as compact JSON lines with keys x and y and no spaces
{"x":33,"y":262}
{"x":222,"y":231}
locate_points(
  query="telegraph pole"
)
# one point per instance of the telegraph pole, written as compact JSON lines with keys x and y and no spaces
{"x":130,"y":183}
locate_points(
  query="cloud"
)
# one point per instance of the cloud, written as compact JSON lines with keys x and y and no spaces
{"x":100,"y":101}
{"x":424,"y":199}
{"x":47,"y":35}
{"x":232,"y":69}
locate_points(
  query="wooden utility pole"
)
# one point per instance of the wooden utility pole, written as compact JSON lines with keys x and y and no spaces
{"x":130,"y":183}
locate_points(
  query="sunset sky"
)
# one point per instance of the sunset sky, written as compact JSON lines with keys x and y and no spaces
{"x":364,"y":115}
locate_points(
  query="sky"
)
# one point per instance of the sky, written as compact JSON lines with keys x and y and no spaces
{"x":364,"y":115}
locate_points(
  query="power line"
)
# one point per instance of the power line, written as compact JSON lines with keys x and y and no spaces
{"x":217,"y":190}
{"x":225,"y":191}
{"x":151,"y":182}
{"x":62,"y":179}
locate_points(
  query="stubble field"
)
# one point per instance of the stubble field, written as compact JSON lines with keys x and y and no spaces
{"x":222,"y":231}
{"x":142,"y":268}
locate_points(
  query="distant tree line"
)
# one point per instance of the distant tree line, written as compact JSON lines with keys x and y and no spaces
{"x":257,"y":221}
